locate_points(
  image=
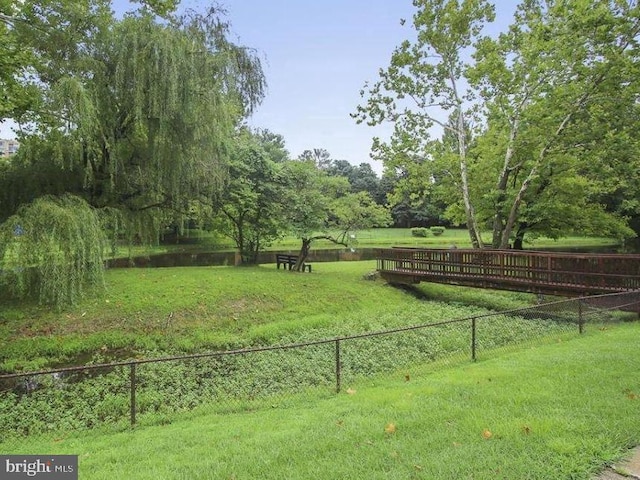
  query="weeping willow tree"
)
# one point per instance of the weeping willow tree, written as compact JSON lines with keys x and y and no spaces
{"x":150,"y":112}
{"x":51,"y":250}
{"x":137,"y":114}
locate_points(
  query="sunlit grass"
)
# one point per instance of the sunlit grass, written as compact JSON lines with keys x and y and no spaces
{"x":562,"y":410}
{"x":194,"y":308}
{"x":199,"y":241}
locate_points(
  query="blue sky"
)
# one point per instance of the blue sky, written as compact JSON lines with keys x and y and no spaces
{"x":316,"y":56}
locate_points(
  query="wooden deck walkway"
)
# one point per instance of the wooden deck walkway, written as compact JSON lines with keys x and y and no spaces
{"x":564,"y":274}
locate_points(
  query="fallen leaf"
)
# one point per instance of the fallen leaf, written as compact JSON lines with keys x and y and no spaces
{"x":526,"y":429}
{"x":390,"y":428}
{"x":407,"y":378}
{"x":487,"y":434}
{"x":351,"y":391}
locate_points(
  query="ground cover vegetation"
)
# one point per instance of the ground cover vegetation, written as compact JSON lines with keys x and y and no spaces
{"x":225,"y":308}
{"x":196,"y":308}
{"x":561,"y":410}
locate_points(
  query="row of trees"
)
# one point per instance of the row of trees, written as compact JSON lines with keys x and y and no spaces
{"x":268,"y":195}
{"x":133,"y":124}
{"x":539,"y":125}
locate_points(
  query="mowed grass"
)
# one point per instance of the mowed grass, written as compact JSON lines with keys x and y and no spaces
{"x":217,"y":308}
{"x":556,"y":411}
{"x":199,"y":241}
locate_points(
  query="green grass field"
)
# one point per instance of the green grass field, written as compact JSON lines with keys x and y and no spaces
{"x":553,"y":404}
{"x":558,"y":411}
{"x":198,"y":241}
{"x":196,"y":308}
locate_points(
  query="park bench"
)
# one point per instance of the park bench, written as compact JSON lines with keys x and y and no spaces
{"x":289,"y":261}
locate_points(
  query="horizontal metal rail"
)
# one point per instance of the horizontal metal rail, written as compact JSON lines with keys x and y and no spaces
{"x":591,"y":299}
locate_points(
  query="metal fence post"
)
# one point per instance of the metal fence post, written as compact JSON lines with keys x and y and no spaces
{"x":580,"y":317}
{"x":473,"y":339}
{"x":338,"y":369}
{"x":132,"y":378}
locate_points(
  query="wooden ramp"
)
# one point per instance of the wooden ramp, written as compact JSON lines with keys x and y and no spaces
{"x":564,"y":274}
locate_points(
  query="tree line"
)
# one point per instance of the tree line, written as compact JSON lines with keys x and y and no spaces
{"x":136,"y":124}
{"x":536,"y":128}
{"x":131,"y":125}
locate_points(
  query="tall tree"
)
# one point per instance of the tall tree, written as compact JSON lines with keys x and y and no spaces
{"x":558,"y":60}
{"x":516,"y":157}
{"x":145,"y":110}
{"x":424,"y":83}
{"x":252,"y":207}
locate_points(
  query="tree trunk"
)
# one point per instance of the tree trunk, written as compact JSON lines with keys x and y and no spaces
{"x":519,"y":240}
{"x":306,"y":247}
{"x":303,"y":254}
{"x":472,"y":226}
{"x":501,"y":189}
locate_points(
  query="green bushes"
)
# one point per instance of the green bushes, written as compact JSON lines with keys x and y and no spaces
{"x":425,"y":232}
{"x":419,"y":232}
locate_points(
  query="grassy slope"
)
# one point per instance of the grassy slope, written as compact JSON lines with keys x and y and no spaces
{"x":555,"y":411}
{"x":195,"y":308}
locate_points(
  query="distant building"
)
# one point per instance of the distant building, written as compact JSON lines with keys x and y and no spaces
{"x":8,"y":147}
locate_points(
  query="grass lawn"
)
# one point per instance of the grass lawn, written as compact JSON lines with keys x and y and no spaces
{"x":195,"y":308}
{"x":554,"y":411}
{"x":198,"y":241}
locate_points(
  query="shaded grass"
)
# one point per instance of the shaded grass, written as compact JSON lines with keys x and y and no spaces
{"x":562,"y":410}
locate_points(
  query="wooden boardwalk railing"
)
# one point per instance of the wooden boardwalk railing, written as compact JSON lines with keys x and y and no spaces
{"x":566,"y":274}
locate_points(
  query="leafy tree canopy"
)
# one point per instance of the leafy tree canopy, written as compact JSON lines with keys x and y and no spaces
{"x":515,"y":111}
{"x":322,"y":207}
{"x":251,"y":208}
{"x":134,"y":116}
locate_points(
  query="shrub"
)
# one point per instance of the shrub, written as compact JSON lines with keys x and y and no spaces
{"x":437,"y":231}
{"x":419,"y":232}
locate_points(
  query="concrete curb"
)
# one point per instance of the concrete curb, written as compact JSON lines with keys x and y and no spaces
{"x":626,"y":469}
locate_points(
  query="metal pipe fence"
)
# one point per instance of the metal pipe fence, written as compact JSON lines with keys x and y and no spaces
{"x":94,"y":394}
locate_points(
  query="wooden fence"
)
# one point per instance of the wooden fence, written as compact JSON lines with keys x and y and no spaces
{"x":567,"y":274}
